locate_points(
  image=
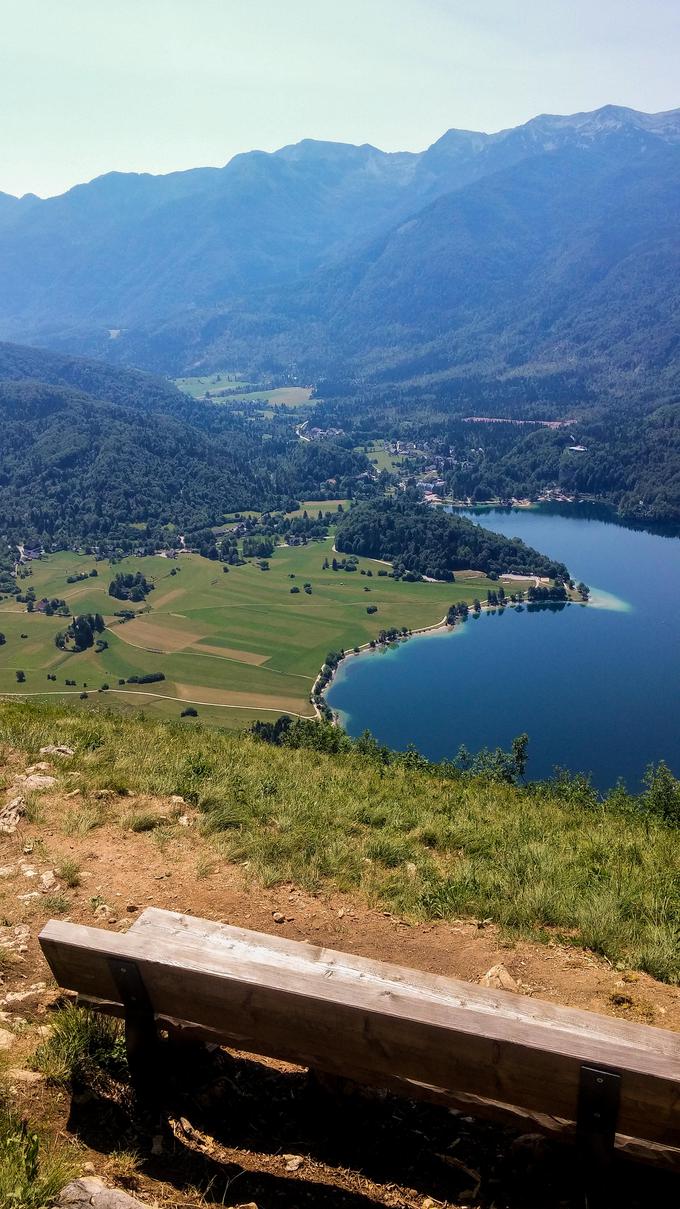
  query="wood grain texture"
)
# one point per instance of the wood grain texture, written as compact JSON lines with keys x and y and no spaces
{"x":377,"y":1023}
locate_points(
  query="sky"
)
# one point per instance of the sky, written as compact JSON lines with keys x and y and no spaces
{"x":90,"y":86}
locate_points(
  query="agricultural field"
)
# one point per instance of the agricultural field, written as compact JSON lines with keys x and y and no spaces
{"x":292,"y":396}
{"x":234,"y":645}
{"x":198,"y":386}
{"x":220,"y":386}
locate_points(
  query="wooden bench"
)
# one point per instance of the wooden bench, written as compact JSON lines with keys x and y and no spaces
{"x":490,"y":1052}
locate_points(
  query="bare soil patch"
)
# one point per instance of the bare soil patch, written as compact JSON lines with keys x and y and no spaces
{"x":166,"y":598}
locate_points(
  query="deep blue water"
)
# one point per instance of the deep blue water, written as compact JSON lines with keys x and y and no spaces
{"x":596,"y":688}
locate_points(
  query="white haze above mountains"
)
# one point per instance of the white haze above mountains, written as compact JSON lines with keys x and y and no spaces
{"x":557,"y":240}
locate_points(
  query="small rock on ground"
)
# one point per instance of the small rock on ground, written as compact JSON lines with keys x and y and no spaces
{"x":37,"y":781}
{"x":11,"y":815}
{"x":499,"y":979}
{"x":17,"y":1075}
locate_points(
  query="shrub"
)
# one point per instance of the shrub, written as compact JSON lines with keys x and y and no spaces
{"x":662,"y":796}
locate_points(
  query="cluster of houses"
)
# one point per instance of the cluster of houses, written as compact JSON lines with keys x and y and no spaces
{"x":431,"y":488}
{"x":305,"y":433}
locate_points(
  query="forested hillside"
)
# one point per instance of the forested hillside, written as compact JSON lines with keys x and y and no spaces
{"x":418,"y":539}
{"x":135,"y":458}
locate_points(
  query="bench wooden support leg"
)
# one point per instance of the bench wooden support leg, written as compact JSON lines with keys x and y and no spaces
{"x":598,"y":1111}
{"x":141,"y":1035}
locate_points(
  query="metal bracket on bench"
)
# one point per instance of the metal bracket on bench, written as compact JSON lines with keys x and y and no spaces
{"x":597,"y":1115}
{"x":130,"y":986}
{"x":141,"y":1037}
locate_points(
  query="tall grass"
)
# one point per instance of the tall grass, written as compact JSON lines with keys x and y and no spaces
{"x":543,"y":861}
{"x":32,"y":1171}
{"x":80,"y":1043}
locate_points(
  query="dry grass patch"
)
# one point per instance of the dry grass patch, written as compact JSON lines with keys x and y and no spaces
{"x":225,"y":652}
{"x":156,"y":636}
{"x":200,"y":695}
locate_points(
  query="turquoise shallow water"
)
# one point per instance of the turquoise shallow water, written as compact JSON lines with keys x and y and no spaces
{"x":597,"y":689}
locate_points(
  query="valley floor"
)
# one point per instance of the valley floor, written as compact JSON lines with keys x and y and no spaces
{"x":236,"y":645}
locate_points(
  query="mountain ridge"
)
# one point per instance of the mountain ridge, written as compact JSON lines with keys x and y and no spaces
{"x":324,"y":253}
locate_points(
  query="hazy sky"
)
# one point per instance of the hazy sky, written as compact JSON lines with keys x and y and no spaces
{"x":152,"y":85}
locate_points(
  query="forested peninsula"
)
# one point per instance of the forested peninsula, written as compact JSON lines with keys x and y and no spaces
{"x":419,"y":540}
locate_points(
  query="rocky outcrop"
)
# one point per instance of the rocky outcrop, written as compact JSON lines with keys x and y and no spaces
{"x":11,"y":815}
{"x":91,"y":1193}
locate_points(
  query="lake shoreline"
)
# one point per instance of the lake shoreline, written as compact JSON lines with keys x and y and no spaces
{"x":437,"y":628}
{"x":608,"y":676}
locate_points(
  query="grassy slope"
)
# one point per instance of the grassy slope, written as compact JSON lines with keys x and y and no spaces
{"x":210,"y":623}
{"x":537,"y":861}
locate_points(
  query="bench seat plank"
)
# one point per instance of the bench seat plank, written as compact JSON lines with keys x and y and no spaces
{"x":362,"y":1019}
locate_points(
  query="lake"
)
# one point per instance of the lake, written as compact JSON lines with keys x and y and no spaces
{"x":596,"y":688}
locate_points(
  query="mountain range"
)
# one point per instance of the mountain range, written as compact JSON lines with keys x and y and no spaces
{"x":549,"y":248}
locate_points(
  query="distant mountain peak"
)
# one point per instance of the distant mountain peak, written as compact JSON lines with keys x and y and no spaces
{"x":607,"y":118}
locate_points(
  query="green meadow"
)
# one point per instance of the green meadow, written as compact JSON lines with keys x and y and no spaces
{"x":381,"y":459}
{"x":234,"y":645}
{"x":198,"y":385}
{"x":214,"y":384}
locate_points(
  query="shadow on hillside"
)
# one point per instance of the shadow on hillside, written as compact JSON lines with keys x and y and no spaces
{"x":234,"y":1121}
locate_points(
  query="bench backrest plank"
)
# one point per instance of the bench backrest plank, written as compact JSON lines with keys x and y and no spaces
{"x":352,"y":1016}
{"x":317,"y":961}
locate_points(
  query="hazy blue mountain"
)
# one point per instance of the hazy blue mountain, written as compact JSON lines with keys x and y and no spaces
{"x":572,"y":252}
{"x":549,"y":244}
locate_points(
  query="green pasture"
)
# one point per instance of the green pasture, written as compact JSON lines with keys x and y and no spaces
{"x":235,"y":645}
{"x":292,"y":396}
{"x":198,"y":385}
{"x":313,"y":507}
{"x":380,"y":458}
